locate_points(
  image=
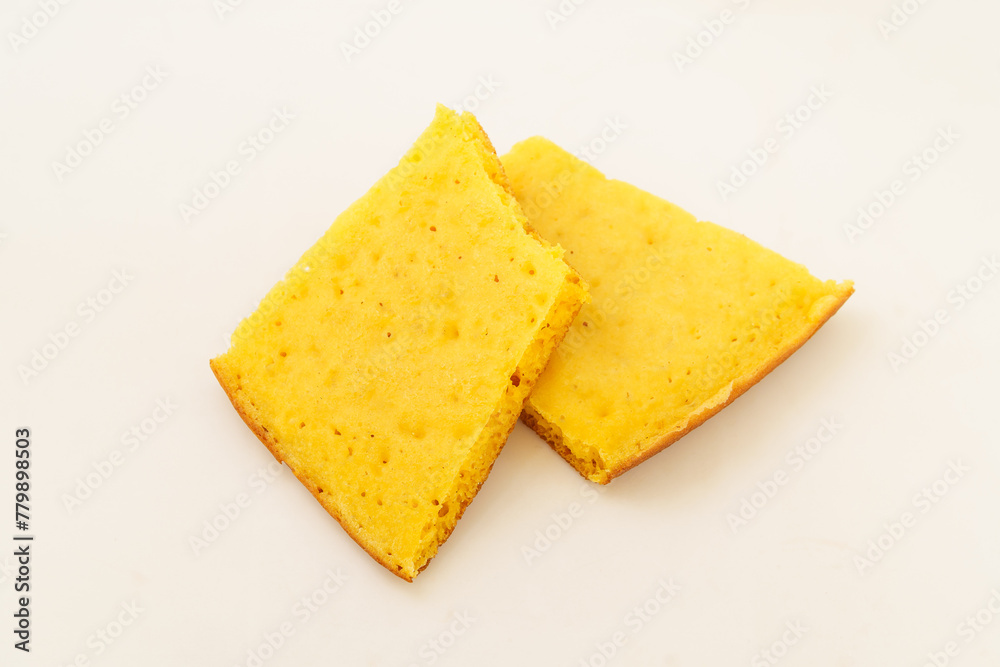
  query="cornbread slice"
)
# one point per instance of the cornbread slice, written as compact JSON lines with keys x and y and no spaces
{"x":389,"y":366}
{"x":684,"y":316}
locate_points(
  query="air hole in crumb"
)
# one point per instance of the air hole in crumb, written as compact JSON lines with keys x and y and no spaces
{"x":341,"y":291}
{"x":689,"y":371}
{"x":364,"y":493}
{"x":302,"y":425}
{"x":585,"y":324}
{"x":435,"y":502}
{"x":496,"y":278}
{"x":388,"y":334}
{"x":457,"y":181}
{"x":319,"y":489}
{"x":350,"y":452}
{"x":336,"y":432}
{"x":443,"y":511}
{"x":284,"y":354}
{"x":433,"y":228}
{"x":379,"y":502}
{"x":515,"y":379}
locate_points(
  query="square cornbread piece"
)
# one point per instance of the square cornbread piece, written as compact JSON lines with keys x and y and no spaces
{"x":684,"y":316}
{"x":389,"y":366}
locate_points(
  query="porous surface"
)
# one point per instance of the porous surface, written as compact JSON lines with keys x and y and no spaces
{"x":684,"y":315}
{"x":389,"y":366}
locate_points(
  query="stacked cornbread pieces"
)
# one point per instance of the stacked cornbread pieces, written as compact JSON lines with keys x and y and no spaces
{"x":684,"y":315}
{"x":389,"y":366}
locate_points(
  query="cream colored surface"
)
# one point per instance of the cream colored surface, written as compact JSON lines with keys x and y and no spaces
{"x":130,"y":541}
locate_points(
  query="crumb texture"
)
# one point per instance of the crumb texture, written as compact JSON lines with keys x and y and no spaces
{"x":684,"y":315}
{"x":389,"y":365}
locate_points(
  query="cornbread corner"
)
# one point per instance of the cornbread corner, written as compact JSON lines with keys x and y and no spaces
{"x":684,"y":317}
{"x":391,"y":363}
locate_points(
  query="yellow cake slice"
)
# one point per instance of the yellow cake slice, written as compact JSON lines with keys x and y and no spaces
{"x":391,"y":363}
{"x":684,"y":316}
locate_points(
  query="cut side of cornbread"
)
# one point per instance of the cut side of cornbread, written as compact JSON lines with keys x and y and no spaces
{"x":684,"y":316}
{"x":389,"y":366}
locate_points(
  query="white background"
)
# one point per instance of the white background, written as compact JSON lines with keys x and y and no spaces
{"x":687,"y":128}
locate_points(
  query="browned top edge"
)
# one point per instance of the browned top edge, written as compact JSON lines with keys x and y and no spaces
{"x":740,"y":386}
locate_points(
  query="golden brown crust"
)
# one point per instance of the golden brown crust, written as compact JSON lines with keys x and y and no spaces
{"x":492,"y":438}
{"x":272,"y":446}
{"x":573,"y":293}
{"x":248,"y":414}
{"x":738,"y":388}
